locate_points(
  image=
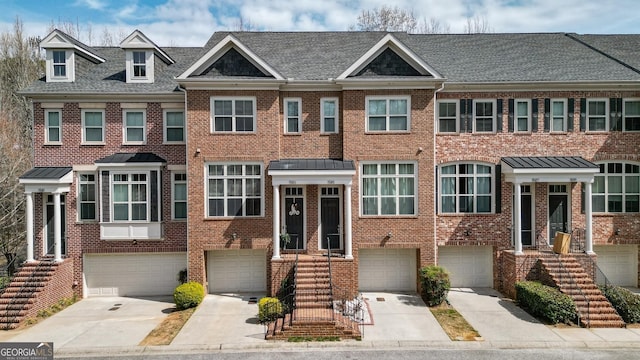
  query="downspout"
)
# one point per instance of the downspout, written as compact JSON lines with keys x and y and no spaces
{"x":433,"y":172}
{"x":186,"y":155}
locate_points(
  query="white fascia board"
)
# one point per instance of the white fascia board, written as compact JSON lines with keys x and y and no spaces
{"x":63,"y":42}
{"x":372,"y":83}
{"x":130,"y":165}
{"x":138,"y":40}
{"x":230,"y":84}
{"x":542,"y":85}
{"x":220,"y":49}
{"x":66,"y":179}
{"x":315,"y":179}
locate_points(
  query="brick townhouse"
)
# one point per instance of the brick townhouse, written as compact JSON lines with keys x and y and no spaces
{"x":394,"y":150}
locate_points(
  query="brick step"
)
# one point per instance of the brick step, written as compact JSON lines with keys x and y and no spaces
{"x":312,"y":305}
{"x":20,"y":300}
{"x":581,"y":304}
{"x":12,"y":307}
{"x":605,"y":324}
{"x":598,"y":317}
{"x":13,"y":312}
{"x":9,"y":319}
{"x":301,"y":291}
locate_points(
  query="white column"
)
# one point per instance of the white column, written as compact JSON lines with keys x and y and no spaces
{"x":57,"y":227}
{"x":588,"y":240}
{"x":29,"y":216}
{"x":348,"y":248}
{"x":276,"y":222}
{"x":517,"y":211}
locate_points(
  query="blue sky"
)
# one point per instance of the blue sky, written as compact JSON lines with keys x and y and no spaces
{"x":191,"y":22}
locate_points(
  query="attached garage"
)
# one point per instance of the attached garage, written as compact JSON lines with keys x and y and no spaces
{"x":136,"y":274}
{"x":619,"y":263}
{"x":469,"y":266}
{"x":237,"y":271}
{"x":387,"y":269}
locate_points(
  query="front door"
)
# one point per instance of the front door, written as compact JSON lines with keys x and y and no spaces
{"x":558,"y":206}
{"x":330,"y":218}
{"x":526,"y":215}
{"x":294,"y":219}
{"x":50,"y":242}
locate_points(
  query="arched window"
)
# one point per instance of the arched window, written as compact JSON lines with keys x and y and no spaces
{"x":617,"y":188}
{"x":466,"y":188}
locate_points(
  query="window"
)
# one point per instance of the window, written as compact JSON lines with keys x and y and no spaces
{"x":617,"y":188}
{"x":234,"y":190}
{"x":179,"y":209}
{"x":484,"y":115}
{"x":92,"y":126}
{"x":389,"y":189}
{"x":448,"y":116}
{"x":174,"y":126}
{"x":59,"y":63}
{"x":631,"y":115}
{"x":292,"y":116}
{"x":329,"y":115}
{"x":597,"y":115}
{"x":86,"y":197}
{"x":466,"y":188}
{"x":558,"y":115}
{"x":522,"y":115}
{"x":134,"y":126}
{"x":233,"y":114}
{"x":139,"y":64}
{"x":53,"y":127}
{"x":130,"y":194}
{"x":388,"y":113}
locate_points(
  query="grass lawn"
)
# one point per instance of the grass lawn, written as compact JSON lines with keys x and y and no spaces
{"x":453,"y":323}
{"x":164,"y":333}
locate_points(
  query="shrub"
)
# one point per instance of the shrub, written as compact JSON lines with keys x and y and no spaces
{"x":269,"y":309}
{"x":435,"y":284}
{"x":188,"y":295}
{"x":626,"y":303}
{"x":545,"y":302}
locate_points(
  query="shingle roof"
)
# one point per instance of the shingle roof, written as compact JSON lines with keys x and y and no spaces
{"x":311,"y":164}
{"x":548,"y":162}
{"x":46,"y":173}
{"x":131,"y":158}
{"x":625,"y":48}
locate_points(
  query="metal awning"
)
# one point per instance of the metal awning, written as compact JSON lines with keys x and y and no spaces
{"x":525,"y":169}
{"x":312,"y":171}
{"x":129,"y":158}
{"x":47,"y":179}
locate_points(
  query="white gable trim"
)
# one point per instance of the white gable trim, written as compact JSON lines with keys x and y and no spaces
{"x":138,"y":40}
{"x":390,"y":41}
{"x":59,"y":40}
{"x":220,"y":49}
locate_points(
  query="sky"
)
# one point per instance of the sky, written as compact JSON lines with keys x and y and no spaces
{"x":192,"y":22}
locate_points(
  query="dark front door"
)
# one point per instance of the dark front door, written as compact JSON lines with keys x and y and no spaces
{"x":330,"y":217}
{"x":294,"y":219}
{"x":526,"y":219}
{"x":50,"y":243}
{"x":557,"y":215}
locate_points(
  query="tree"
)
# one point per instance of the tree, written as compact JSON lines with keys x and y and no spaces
{"x":20,"y":64}
{"x":477,"y":25}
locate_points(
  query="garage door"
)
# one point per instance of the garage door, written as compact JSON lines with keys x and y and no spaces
{"x":133,"y":274}
{"x":469,"y":266}
{"x":237,"y":271}
{"x":619,"y":263}
{"x":387,"y":269}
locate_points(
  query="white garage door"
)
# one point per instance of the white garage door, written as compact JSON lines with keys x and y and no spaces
{"x":237,"y":271}
{"x":469,"y":266}
{"x":133,"y":274}
{"x":387,"y":269}
{"x":619,"y":263}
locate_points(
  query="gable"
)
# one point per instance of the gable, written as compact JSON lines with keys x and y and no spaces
{"x":232,"y":63}
{"x":388,"y":63}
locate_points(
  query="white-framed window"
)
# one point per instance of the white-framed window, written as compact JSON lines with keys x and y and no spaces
{"x":87,"y":204}
{"x":617,"y":188}
{"x":134,"y":126}
{"x":233,"y":114}
{"x":292,"y":115}
{"x":53,"y":126}
{"x":179,"y":195}
{"x":631,"y":114}
{"x":558,"y":115}
{"x":329,"y":115}
{"x":389,"y":188}
{"x":597,"y":114}
{"x":484,"y":116}
{"x":93,"y":126}
{"x":139,"y":64}
{"x":522,"y":115}
{"x":448,"y":116}
{"x":173,"y":126}
{"x":466,"y":188}
{"x":388,"y":113}
{"x":234,"y":190}
{"x":130,"y":196}
{"x":60,"y":65}
{"x":59,"y":62}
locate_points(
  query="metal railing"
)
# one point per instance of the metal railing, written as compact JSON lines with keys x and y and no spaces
{"x":342,"y":301}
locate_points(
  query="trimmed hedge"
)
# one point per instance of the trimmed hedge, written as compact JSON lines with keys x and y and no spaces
{"x":626,"y":303}
{"x":188,"y":295}
{"x":269,"y":309}
{"x":435,"y":284}
{"x":545,"y":302}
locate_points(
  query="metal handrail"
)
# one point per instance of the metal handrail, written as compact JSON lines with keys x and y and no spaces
{"x":330,"y":279}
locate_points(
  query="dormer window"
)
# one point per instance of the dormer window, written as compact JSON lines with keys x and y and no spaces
{"x":61,"y":54}
{"x":59,"y":64}
{"x":139,"y":64}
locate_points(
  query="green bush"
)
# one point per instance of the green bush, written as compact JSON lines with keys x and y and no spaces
{"x":188,"y":295}
{"x":545,"y":302}
{"x":435,"y":284}
{"x":269,"y":309}
{"x":626,"y":303}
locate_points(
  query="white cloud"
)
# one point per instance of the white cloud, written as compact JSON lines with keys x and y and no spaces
{"x":92,"y":4}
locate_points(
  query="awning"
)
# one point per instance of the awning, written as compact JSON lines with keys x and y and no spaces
{"x":131,"y":159}
{"x":526,"y":169}
{"x":47,"y":179}
{"x":312,"y":171}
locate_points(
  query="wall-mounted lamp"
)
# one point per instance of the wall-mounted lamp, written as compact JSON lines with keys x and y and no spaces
{"x":197,"y":151}
{"x":467,"y":232}
{"x":389,"y":235}
{"x":234,"y":236}
{"x":617,"y":231}
{"x":134,"y":242}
